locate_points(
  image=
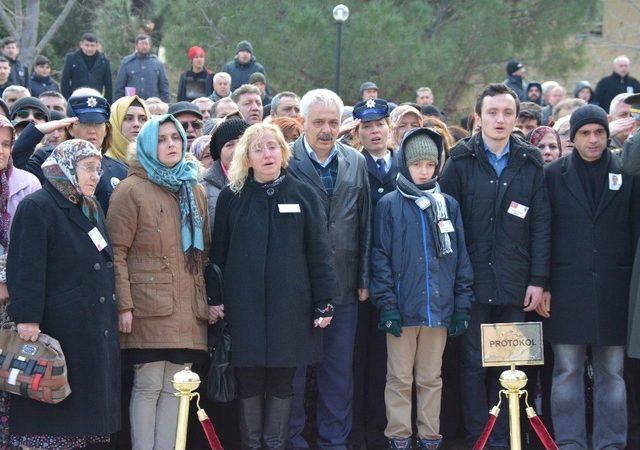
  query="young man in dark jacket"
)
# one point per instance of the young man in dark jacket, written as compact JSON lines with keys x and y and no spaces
{"x":19,"y":72}
{"x":421,"y":284}
{"x":87,"y":67}
{"x":514,"y":81}
{"x":242,"y":66}
{"x":498,"y":181}
{"x":41,"y":80}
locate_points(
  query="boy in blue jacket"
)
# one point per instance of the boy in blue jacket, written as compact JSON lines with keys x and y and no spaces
{"x":422,"y":285}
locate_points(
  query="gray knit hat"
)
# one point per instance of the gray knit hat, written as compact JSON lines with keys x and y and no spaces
{"x":244,"y":46}
{"x":419,"y":147}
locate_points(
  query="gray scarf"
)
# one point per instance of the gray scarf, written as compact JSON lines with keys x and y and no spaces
{"x":432,"y":202}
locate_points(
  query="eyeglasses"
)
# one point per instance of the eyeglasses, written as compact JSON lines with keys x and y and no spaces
{"x":91,"y":169}
{"x":262,"y":150}
{"x":25,"y":113}
{"x":195,"y":124}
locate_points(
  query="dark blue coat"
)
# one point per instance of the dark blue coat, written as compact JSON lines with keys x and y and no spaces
{"x":57,"y":278}
{"x":407,"y":273}
{"x":240,"y":73}
{"x":38,"y":85}
{"x":380,"y":186}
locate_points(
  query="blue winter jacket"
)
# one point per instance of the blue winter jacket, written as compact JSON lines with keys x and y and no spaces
{"x":407,"y":273}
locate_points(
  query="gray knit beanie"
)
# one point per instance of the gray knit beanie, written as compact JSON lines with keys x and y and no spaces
{"x":420,"y":147}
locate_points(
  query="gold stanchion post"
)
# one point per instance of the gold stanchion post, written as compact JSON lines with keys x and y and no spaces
{"x":513,"y":381}
{"x":185,"y":382}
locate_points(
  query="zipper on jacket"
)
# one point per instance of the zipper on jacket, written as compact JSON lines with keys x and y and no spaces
{"x":425,"y":248}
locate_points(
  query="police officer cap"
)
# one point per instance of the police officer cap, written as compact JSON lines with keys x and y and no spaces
{"x":372,"y":109}
{"x":89,"y":108}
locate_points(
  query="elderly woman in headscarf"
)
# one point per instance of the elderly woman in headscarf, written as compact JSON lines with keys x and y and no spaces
{"x":547,"y":140}
{"x":128,"y":115}
{"x":200,"y":149}
{"x":60,"y":275}
{"x":160,"y":229}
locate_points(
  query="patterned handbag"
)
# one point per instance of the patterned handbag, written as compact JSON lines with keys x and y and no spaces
{"x":35,"y":370}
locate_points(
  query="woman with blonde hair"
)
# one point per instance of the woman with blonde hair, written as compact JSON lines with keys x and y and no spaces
{"x":271,"y":242}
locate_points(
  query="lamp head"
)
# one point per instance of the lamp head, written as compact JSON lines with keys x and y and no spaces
{"x":340,"y":13}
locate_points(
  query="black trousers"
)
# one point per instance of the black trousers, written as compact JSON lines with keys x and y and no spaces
{"x":269,"y":381}
{"x":369,"y":379}
{"x":632,"y":379}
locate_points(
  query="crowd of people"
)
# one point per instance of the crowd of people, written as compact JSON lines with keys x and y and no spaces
{"x":352,"y":252}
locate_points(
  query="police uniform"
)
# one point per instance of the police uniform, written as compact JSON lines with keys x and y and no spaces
{"x":370,"y":353}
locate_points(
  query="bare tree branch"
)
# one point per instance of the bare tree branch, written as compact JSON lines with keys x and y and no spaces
{"x":17,"y":11}
{"x":211,"y":24}
{"x":444,"y":8}
{"x":6,"y":19}
{"x":30,"y":24}
{"x":55,"y":26}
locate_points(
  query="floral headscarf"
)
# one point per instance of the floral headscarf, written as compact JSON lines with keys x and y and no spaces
{"x":180,"y":179}
{"x":5,"y":218}
{"x":536,"y":136}
{"x":60,"y":169}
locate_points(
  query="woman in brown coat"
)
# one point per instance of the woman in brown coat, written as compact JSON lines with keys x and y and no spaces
{"x":160,"y":228}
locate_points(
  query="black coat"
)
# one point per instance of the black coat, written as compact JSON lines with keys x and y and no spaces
{"x":19,"y":72}
{"x":349,"y":215}
{"x":508,"y":253}
{"x":194,"y":85}
{"x":517,"y":85}
{"x":379,"y":187}
{"x":76,"y":74}
{"x":57,"y":278}
{"x":591,"y":256}
{"x":277,"y":268}
{"x":612,"y":85}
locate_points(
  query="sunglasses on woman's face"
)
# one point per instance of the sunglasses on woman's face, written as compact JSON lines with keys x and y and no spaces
{"x":25,"y":113}
{"x":196,"y":124}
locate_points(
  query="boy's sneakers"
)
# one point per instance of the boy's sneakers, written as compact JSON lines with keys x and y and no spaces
{"x":429,"y":444}
{"x":401,"y":444}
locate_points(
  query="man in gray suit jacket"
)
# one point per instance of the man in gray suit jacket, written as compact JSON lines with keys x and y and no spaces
{"x":338,"y":173}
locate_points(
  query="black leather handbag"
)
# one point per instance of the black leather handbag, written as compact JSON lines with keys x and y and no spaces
{"x":221,"y":381}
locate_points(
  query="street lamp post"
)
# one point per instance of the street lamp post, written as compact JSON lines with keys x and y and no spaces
{"x":340,"y":14}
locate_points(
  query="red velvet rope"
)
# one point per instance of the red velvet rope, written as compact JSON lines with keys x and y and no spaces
{"x":541,"y":430}
{"x":209,"y":431}
{"x":488,"y":428}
